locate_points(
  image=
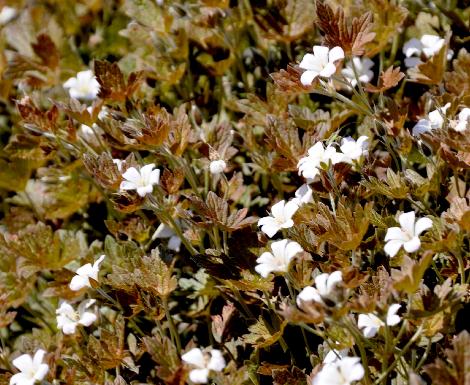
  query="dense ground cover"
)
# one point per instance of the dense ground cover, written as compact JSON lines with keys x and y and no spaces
{"x":234,"y":192}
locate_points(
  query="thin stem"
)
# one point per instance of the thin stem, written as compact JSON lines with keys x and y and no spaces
{"x":174,"y":333}
{"x":401,"y":354}
{"x":362,"y":351}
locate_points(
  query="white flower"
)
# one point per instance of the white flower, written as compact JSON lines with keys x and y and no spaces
{"x":462,"y":123}
{"x":7,"y":14}
{"x":84,"y":86}
{"x":204,"y":363}
{"x":84,"y":273}
{"x":371,"y":323}
{"x":325,"y":286}
{"x":428,"y":46}
{"x":318,"y":157}
{"x":335,"y":355}
{"x":68,"y":318}
{"x":435,"y":121}
{"x":392,"y":317}
{"x":279,"y":259}
{"x":217,"y":166}
{"x":163,"y":231}
{"x":321,"y":63}
{"x":354,"y":150}
{"x":341,"y":372}
{"x":363,"y":68}
{"x":31,"y":369}
{"x":304,"y":194}
{"x":118,"y":163}
{"x":280,"y":218}
{"x":141,"y":180}
{"x":406,"y":236}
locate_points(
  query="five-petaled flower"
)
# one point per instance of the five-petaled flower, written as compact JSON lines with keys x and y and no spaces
{"x":434,"y":121}
{"x":32,"y":369}
{"x":280,"y":218}
{"x":326,"y":285}
{"x":84,"y":273}
{"x":278,"y":261}
{"x":363,"y":70}
{"x":203,"y":362}
{"x":427,"y":46}
{"x":370,"y":323}
{"x":68,"y":318}
{"x":83,"y":86}
{"x":141,"y":180}
{"x":406,"y":236}
{"x":318,"y":158}
{"x":340,"y":372}
{"x":320,"y":63}
{"x":354,"y":150}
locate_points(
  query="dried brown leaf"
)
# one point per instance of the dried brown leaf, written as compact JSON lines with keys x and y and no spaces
{"x":431,"y":71}
{"x":388,"y":79}
{"x":47,"y":51}
{"x":351,"y":35}
{"x":458,"y":81}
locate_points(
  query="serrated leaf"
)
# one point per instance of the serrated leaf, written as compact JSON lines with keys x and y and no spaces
{"x":458,"y":81}
{"x":393,"y":187}
{"x":261,"y":336}
{"x":351,"y":35}
{"x":409,"y":276}
{"x":388,"y":79}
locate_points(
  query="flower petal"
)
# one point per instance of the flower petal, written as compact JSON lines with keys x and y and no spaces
{"x":328,"y":70}
{"x":289,"y":209}
{"x":144,"y":190}
{"x":125,"y":185}
{"x":307,"y":294}
{"x":277,"y":210}
{"x":391,"y":247}
{"x":395,"y":233}
{"x":422,"y":224}
{"x":23,"y":362}
{"x":421,"y":127}
{"x":321,"y":53}
{"x":309,"y":62}
{"x":271,"y":228}
{"x":264,"y":269}
{"x":308,"y":77}
{"x":199,"y":376}
{"x":87,"y":318}
{"x":217,"y":361}
{"x":78,"y":282}
{"x":41,"y":372}
{"x":335,"y":54}
{"x":407,"y":222}
{"x":412,"y":47}
{"x":194,"y":357}
{"x":279,"y":248}
{"x":292,"y":249}
{"x":413,"y":245}
{"x":132,"y":175}
{"x":21,"y":379}
{"x":392,"y":318}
